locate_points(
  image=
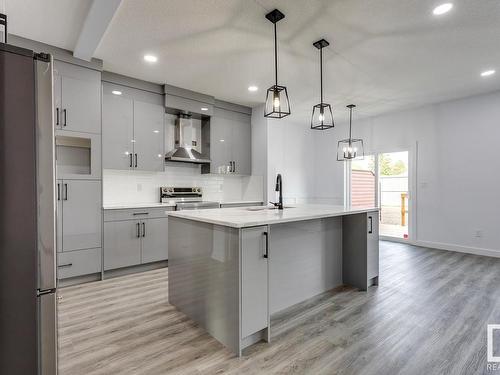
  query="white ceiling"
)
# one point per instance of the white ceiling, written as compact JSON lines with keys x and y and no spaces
{"x":385,"y":55}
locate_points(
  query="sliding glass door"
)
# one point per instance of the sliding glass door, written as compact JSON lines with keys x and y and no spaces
{"x":382,"y":180}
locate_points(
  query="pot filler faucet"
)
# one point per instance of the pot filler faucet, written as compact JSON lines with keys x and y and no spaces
{"x":279,"y":187}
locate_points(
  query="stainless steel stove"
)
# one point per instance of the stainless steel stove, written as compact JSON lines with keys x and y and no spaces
{"x":185,"y":198}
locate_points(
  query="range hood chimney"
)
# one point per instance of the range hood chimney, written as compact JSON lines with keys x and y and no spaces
{"x":185,"y":143}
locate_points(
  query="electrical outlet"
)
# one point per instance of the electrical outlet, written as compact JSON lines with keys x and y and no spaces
{"x":139,"y":187}
{"x":478,"y":233}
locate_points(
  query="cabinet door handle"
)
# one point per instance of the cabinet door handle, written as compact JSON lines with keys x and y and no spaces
{"x":130,"y":159}
{"x":234,"y":166}
{"x":138,"y":233}
{"x":135,"y":160}
{"x":370,"y":231}
{"x":58,"y":191}
{"x":65,"y":265}
{"x":64,"y":113}
{"x":140,"y":213}
{"x":65,"y":192}
{"x":143,"y":229}
{"x":57,"y":116}
{"x":266,"y":250}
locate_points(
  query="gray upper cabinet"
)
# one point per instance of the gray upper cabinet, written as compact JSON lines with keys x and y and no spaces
{"x":79,"y":214}
{"x":77,"y":98}
{"x":230,"y":141}
{"x":117,"y":132}
{"x":149,"y":150}
{"x":132,"y":129}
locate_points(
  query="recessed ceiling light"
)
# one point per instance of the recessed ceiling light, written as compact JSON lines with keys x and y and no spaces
{"x":156,"y":131}
{"x":116,"y":92}
{"x":488,"y":73}
{"x":252,"y":88}
{"x":150,"y":58}
{"x":442,"y":9}
{"x":204,"y":108}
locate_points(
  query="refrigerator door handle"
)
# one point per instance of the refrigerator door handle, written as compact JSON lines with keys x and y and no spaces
{"x":45,"y":170}
{"x":46,"y":216}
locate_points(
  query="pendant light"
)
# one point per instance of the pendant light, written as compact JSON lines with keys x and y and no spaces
{"x":350,"y":148}
{"x":277,"y":104}
{"x":322,"y":116}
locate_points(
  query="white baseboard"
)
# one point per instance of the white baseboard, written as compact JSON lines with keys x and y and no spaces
{"x":449,"y":247}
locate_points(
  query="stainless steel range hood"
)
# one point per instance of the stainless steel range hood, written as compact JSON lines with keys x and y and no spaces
{"x":186,"y":143}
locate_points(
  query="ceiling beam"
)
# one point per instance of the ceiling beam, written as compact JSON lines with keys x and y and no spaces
{"x":98,"y":19}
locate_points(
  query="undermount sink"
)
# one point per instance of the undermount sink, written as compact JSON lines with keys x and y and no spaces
{"x":265,"y":208}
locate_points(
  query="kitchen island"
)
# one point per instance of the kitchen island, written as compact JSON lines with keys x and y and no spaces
{"x":231,"y":269}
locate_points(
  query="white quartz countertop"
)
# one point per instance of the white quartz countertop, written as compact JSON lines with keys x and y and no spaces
{"x":242,"y":217}
{"x":124,"y":206}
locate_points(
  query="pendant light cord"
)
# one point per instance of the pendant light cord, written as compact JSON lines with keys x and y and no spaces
{"x":321,"y":73}
{"x":350,"y":125}
{"x":275,"y":54}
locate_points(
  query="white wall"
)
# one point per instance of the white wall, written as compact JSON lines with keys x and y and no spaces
{"x":457,"y":168}
{"x":283,"y":146}
{"x":259,"y":146}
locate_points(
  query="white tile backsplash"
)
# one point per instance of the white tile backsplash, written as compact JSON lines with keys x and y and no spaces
{"x":124,"y":187}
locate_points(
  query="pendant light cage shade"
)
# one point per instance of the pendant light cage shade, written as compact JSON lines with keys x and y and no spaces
{"x":277,"y":103}
{"x":350,"y":149}
{"x":322,"y":117}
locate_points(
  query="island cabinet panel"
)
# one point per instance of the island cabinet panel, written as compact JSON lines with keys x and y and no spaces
{"x":372,"y":243}
{"x":360,"y":253}
{"x":204,"y":277}
{"x":254,"y":280}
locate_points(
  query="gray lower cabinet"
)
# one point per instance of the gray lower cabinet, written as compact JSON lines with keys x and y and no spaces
{"x":80,"y":214}
{"x":254,"y":280}
{"x":122,"y":244}
{"x":136,"y":236}
{"x":79,"y":227}
{"x":155,"y":240}
{"x":79,"y":263}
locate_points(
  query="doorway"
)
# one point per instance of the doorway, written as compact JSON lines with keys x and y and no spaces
{"x":383,"y":180}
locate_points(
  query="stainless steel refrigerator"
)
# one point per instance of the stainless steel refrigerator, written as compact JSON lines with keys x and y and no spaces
{"x":28,"y":315}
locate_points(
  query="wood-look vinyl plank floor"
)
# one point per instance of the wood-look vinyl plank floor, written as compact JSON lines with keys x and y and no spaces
{"x":427,"y":316}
